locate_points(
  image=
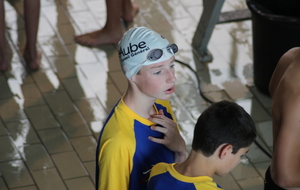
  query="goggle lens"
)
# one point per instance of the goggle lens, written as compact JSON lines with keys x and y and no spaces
{"x":157,"y":53}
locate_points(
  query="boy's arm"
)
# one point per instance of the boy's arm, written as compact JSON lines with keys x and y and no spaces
{"x":114,"y":166}
{"x":172,"y":138}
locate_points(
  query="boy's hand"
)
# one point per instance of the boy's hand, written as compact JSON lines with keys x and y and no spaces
{"x":172,"y":138}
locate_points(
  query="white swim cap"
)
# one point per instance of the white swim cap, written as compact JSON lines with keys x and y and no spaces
{"x":141,"y":46}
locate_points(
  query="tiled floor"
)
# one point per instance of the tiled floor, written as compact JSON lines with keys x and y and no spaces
{"x":50,"y":119}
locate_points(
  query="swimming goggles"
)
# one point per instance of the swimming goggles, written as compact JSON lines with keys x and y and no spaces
{"x":156,"y":54}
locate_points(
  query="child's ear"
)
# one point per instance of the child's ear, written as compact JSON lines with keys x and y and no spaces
{"x":225,"y":150}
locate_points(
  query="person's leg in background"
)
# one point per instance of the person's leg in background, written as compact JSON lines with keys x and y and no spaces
{"x":113,"y":30}
{"x":31,"y":55}
{"x":3,"y":62}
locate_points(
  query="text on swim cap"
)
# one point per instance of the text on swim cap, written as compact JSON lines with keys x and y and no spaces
{"x":132,"y":50}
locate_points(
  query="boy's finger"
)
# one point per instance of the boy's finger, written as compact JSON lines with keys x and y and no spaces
{"x":157,"y":140}
{"x":160,"y":119}
{"x":161,"y":112}
{"x":159,"y":115}
{"x":159,"y":129}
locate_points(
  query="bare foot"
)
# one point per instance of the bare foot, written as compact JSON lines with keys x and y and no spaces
{"x":130,"y":12}
{"x":33,"y":61}
{"x":99,"y":37}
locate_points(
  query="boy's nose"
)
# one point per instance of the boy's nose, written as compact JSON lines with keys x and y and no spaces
{"x":171,"y":76}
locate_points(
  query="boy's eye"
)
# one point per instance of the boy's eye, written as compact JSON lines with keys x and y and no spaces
{"x":157,"y":73}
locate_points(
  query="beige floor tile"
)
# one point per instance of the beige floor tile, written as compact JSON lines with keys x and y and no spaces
{"x":78,"y":87}
{"x":8,"y":149}
{"x":158,"y":22}
{"x":10,"y":110}
{"x":256,"y":155}
{"x":32,"y":95}
{"x":227,"y":182}
{"x":262,"y":168}
{"x":174,"y":9}
{"x":263,"y":99}
{"x":16,"y":174}
{"x":91,"y":109}
{"x":186,"y":27}
{"x":85,"y":22}
{"x":112,"y":97}
{"x":119,"y":80}
{"x":255,"y":109}
{"x":56,"y":14}
{"x":113,"y":62}
{"x":85,"y":148}
{"x":69,"y":165}
{"x":98,"y":8}
{"x":80,"y":183}
{"x":45,"y":65}
{"x":22,"y":133}
{"x":3,"y":131}
{"x":18,"y":71}
{"x":65,"y":32}
{"x":255,"y":183}
{"x":76,"y":5}
{"x":64,"y":67}
{"x":82,"y":55}
{"x":2,"y":184}
{"x":216,"y":96}
{"x":48,"y":179}
{"x":37,"y":158}
{"x":244,"y":170}
{"x":74,"y":125}
{"x":52,"y":46}
{"x":192,"y":3}
{"x":5,"y":92}
{"x":195,"y":11}
{"x":27,"y":188}
{"x":46,"y":81}
{"x":45,"y":29}
{"x":41,"y":117}
{"x":91,"y":168}
{"x":264,"y":130}
{"x":60,"y":103}
{"x":236,"y":90}
{"x":55,"y":140}
{"x":96,"y":76}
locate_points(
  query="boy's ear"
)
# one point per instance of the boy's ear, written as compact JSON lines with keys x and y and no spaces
{"x":132,"y":79}
{"x":225,"y":150}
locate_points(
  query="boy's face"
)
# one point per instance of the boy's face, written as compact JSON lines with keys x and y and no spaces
{"x":231,"y":161}
{"x":157,"y":80}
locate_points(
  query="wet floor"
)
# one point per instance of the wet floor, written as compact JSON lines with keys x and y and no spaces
{"x":50,"y":119}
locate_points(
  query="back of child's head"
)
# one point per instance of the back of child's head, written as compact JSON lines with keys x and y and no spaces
{"x":142,"y":46}
{"x":223,"y":122}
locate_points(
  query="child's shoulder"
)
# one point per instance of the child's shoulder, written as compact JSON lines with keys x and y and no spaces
{"x":159,"y":168}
